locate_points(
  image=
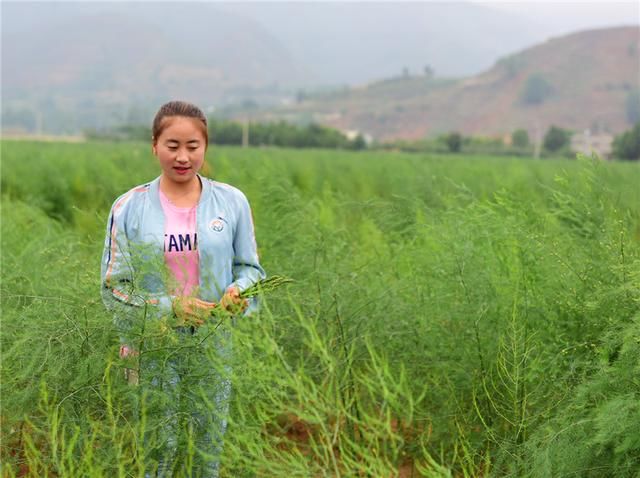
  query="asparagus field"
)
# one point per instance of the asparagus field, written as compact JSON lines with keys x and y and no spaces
{"x":447,"y":317}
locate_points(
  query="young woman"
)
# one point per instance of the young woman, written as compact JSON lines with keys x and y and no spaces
{"x":175,"y":249}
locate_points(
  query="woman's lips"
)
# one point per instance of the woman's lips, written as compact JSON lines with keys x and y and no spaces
{"x":181,"y":170}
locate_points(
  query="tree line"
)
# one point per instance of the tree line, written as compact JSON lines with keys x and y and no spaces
{"x":556,"y":141}
{"x":225,"y":132}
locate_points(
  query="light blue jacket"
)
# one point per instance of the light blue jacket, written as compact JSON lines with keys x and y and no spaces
{"x":133,"y":269}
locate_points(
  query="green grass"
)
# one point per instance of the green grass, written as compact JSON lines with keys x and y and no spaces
{"x":472,"y":316}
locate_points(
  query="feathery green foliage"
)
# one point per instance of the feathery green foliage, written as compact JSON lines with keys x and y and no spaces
{"x":454,"y":317}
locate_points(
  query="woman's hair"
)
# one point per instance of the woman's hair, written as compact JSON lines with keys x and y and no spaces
{"x":177,"y":108}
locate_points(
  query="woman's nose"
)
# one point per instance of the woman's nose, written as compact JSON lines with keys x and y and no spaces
{"x":182,"y":157}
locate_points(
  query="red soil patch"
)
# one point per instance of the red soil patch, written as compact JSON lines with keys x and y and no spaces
{"x":297,"y":433}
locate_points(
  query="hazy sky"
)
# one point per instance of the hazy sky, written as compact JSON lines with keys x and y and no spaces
{"x":572,"y":13}
{"x":456,"y":37}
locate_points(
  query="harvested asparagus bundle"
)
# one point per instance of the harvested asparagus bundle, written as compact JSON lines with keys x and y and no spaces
{"x":265,"y":285}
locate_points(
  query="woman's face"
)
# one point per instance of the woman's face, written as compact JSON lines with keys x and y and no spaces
{"x":180,"y":148}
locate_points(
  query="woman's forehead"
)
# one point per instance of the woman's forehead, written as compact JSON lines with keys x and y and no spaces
{"x":181,"y":128}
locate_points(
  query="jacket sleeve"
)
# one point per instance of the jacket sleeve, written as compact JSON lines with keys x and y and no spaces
{"x":119,"y":290}
{"x":246,"y":264}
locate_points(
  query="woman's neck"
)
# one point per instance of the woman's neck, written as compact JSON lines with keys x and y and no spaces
{"x":181,"y":194}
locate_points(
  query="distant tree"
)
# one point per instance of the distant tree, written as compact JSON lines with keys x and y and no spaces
{"x":520,"y":138}
{"x":19,"y":118}
{"x":283,"y":134}
{"x":512,"y":64}
{"x":358,"y":143}
{"x":536,"y":90}
{"x":249,"y":104}
{"x":301,"y":96}
{"x":225,"y":132}
{"x":555,"y":139}
{"x":454,"y":141}
{"x":627,"y":145}
{"x":428,"y":71}
{"x":129,"y":132}
{"x":632,"y":106}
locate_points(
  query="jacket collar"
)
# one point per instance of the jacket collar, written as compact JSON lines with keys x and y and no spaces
{"x":154,"y":190}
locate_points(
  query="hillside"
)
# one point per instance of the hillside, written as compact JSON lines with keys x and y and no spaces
{"x":583,"y":80}
{"x":97,"y":64}
{"x":72,"y":66}
{"x":132,"y":43}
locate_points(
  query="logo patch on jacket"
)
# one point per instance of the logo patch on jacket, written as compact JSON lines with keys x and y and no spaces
{"x":217,"y":224}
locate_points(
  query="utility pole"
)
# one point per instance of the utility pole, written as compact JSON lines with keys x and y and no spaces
{"x":537,"y":140}
{"x":245,"y":133}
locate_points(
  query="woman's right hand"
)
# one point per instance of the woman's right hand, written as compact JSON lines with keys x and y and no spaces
{"x":191,"y":310}
{"x":126,"y":351}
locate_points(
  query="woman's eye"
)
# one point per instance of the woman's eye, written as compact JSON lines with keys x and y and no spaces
{"x":173,"y":148}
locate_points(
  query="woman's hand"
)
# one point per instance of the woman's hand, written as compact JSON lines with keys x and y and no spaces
{"x":191,"y":310}
{"x":126,"y":351}
{"x":232,"y":302}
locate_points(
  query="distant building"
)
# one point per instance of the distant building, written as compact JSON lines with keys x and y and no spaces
{"x":587,"y":144}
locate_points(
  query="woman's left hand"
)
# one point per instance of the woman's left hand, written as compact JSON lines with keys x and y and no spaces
{"x":232,"y":302}
{"x":192,"y":310}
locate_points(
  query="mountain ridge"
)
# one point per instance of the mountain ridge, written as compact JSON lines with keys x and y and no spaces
{"x":589,"y":76}
{"x":68,"y":67}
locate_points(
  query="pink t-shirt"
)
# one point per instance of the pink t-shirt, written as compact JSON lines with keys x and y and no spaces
{"x":181,"y":247}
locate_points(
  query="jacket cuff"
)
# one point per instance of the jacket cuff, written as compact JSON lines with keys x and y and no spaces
{"x":241,"y":284}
